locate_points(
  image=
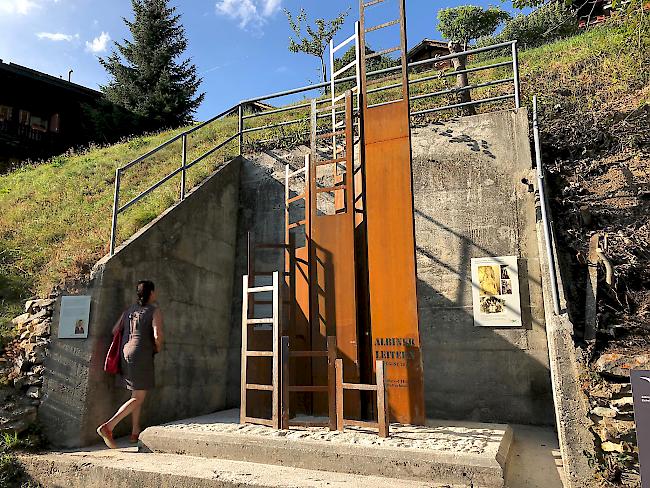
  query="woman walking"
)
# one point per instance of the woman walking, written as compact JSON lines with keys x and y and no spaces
{"x":142,"y":337}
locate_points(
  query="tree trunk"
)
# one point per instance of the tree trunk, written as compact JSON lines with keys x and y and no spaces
{"x":323,"y":69}
{"x":459,"y":64}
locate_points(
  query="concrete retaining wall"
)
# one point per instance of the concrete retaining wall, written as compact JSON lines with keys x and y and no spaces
{"x":189,"y":253}
{"x":470,"y":202}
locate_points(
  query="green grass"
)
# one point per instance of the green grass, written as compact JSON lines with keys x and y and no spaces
{"x":55,"y":217}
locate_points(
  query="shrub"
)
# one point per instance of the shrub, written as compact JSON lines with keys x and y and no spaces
{"x":548,"y":23}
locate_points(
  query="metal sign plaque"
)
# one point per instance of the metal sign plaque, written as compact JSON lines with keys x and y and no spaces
{"x":74,"y":317}
{"x":641,"y":395}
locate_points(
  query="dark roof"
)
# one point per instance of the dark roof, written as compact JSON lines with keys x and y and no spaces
{"x":16,"y":69}
{"x":424,"y":43}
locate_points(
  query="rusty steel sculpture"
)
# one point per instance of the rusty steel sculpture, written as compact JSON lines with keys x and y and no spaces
{"x":342,"y":342}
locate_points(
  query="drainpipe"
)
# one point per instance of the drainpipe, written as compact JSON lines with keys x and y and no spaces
{"x":70,"y":75}
{"x":542,"y":203}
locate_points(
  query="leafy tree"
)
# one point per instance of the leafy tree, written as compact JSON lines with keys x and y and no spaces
{"x":146,"y":76}
{"x":468,"y":22}
{"x":316,"y":38}
{"x":461,"y":25}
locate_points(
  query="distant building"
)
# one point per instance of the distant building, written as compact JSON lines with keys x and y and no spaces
{"x":253,"y":108}
{"x":40,"y":115}
{"x":427,"y":49}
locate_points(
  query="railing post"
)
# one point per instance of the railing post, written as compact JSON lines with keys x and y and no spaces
{"x":548,"y":237}
{"x":241,"y":128}
{"x":515,"y":73}
{"x":183,"y":164}
{"x":116,"y":202}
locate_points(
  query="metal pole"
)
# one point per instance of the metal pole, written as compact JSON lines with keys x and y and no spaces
{"x":542,"y":203}
{"x":241,"y":128}
{"x":116,"y":202}
{"x":183,"y":164}
{"x":515,"y":74}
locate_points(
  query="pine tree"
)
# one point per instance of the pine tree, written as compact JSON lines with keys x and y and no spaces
{"x":146,"y":76}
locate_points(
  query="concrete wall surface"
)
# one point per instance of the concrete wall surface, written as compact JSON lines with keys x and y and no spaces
{"x":189,"y":253}
{"x":261,"y":216}
{"x":470,"y":202}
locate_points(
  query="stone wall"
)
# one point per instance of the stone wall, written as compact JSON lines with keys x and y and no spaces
{"x":189,"y":253}
{"x":470,"y":202}
{"x":21,"y":366}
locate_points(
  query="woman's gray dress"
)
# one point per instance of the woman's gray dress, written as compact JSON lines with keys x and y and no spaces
{"x":138,"y":348}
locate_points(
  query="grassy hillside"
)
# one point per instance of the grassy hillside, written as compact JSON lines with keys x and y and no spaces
{"x":55,"y":217}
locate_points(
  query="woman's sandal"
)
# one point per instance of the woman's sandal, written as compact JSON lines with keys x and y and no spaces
{"x":107,"y":435}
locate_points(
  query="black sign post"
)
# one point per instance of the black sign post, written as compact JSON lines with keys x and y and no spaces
{"x":641,"y":395}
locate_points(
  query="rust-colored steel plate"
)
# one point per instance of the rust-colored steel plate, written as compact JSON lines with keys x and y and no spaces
{"x":333,"y":280}
{"x":391,"y":258}
{"x":299,"y":331}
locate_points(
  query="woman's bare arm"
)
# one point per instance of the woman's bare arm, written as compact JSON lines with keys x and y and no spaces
{"x":158,"y":329}
{"x":118,"y":324}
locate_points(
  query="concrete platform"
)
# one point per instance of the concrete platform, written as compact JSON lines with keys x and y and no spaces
{"x":447,"y":453}
{"x":127,"y":468}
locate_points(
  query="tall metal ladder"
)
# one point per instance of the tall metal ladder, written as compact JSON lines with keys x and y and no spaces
{"x":273,"y":354}
{"x":401,"y":48}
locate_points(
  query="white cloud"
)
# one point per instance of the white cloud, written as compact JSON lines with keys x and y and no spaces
{"x":56,"y":36}
{"x":248,"y":12}
{"x":98,"y":44}
{"x":20,"y":7}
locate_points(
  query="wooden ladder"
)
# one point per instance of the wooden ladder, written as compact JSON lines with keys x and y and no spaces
{"x":247,"y":322}
{"x":382,"y":423}
{"x":329,"y":388}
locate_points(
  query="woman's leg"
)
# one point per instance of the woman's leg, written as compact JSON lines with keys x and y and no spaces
{"x":133,"y":403}
{"x":135,"y":415}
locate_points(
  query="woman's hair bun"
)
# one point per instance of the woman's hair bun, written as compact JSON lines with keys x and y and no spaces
{"x":144,"y":290}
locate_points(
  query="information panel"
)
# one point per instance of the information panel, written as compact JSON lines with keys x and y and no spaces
{"x":74,"y":317}
{"x":495,"y":292}
{"x":641,"y":395}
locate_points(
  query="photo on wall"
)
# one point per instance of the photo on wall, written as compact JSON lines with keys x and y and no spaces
{"x":74,"y":317}
{"x":495,"y":292}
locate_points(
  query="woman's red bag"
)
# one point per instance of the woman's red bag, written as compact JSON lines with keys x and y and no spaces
{"x":112,"y":363}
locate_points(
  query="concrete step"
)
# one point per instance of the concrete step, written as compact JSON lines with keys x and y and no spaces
{"x":127,"y":468}
{"x":454,"y":454}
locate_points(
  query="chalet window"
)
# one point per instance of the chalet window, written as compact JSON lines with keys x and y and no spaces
{"x":24,"y":117}
{"x":40,"y":124}
{"x":5,"y":113}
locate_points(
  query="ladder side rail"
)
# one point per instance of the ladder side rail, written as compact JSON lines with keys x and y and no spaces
{"x":275,"y":408}
{"x":244,"y":351}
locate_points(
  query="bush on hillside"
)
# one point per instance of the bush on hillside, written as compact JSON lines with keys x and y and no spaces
{"x":549,"y":23}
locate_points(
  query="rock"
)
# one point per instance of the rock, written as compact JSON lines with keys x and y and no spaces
{"x":43,"y":303}
{"x":33,"y":380}
{"x":28,"y":306}
{"x":619,"y":365}
{"x":622,"y":402}
{"x":43,"y":313}
{"x":21,"y":319}
{"x":20,"y":382}
{"x":604,"y":412}
{"x":34,"y":392}
{"x":40,"y":369}
{"x":17,"y":418}
{"x":612,"y":447}
{"x":40,"y":329}
{"x":615,"y":430}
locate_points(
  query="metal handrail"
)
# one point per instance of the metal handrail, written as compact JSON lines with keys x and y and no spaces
{"x":242,"y":130}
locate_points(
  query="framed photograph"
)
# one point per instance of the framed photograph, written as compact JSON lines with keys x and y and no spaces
{"x":495,"y":292}
{"x":74,"y":317}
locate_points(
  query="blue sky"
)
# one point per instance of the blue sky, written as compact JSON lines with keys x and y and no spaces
{"x":239,"y":46}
